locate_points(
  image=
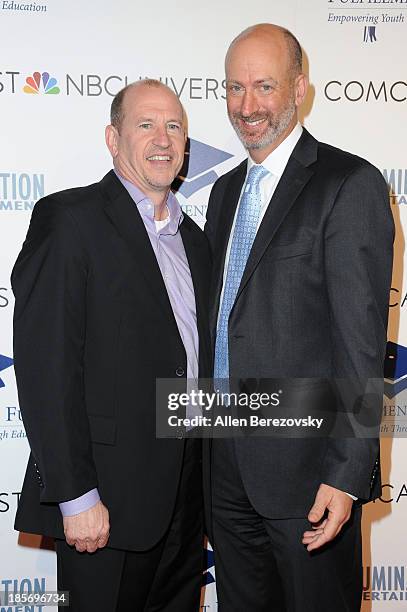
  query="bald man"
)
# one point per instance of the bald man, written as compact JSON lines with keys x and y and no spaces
{"x":111,"y":288}
{"x":301,"y":235}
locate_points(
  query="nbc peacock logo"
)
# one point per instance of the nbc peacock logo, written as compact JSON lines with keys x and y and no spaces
{"x":41,"y":83}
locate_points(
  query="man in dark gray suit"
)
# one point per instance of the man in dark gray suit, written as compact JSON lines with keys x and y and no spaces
{"x":301,"y":234}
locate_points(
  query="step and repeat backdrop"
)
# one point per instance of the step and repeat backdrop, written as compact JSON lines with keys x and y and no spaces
{"x":60,"y":64}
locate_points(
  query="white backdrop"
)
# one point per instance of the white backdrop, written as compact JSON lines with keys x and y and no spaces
{"x":53,"y":139}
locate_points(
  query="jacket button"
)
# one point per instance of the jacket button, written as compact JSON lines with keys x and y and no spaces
{"x":180,"y":371}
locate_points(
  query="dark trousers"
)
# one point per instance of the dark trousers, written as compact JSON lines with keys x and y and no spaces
{"x":261,"y":564}
{"x":166,"y":578}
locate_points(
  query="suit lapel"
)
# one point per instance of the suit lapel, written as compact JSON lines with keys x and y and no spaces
{"x":124,"y":215}
{"x":293,"y":180}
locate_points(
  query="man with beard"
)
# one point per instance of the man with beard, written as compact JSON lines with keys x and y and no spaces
{"x":301,"y":234}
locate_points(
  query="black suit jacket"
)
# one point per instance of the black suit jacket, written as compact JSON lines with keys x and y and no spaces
{"x":93,"y":329}
{"x":312,"y":303}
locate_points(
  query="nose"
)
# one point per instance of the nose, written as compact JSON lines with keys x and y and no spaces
{"x":249,"y":104}
{"x":161,"y":138}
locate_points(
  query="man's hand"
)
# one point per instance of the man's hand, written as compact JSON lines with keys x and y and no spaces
{"x":339,"y":506}
{"x":88,"y":530}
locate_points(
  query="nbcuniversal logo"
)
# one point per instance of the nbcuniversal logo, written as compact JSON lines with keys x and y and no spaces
{"x":41,"y":82}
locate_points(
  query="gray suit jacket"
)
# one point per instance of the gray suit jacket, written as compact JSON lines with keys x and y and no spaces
{"x":312,"y":303}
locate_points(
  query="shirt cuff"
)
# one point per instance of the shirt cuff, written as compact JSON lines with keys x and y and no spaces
{"x":352,"y":496}
{"x":80,"y":504}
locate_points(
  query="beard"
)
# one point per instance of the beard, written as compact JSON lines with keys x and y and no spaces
{"x":277,"y":124}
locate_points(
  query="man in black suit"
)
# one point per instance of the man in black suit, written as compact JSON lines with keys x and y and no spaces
{"x":301,"y":235}
{"x":110,"y":290}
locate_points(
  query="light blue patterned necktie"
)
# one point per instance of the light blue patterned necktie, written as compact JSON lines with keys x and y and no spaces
{"x":243,"y":237}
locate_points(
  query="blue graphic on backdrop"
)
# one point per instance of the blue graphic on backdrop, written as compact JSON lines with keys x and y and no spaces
{"x":208,"y":578}
{"x":395,"y":369}
{"x":369,"y":34}
{"x":201,"y":158}
{"x":396,"y":178}
{"x":5,"y":362}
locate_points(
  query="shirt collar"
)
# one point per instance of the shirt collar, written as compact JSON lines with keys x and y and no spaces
{"x":146,"y":207}
{"x":277,"y":160}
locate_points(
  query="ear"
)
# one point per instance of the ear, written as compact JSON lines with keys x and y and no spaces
{"x":300,"y":88}
{"x":111,"y":137}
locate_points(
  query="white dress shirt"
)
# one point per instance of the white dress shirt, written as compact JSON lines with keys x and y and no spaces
{"x":275,"y":163}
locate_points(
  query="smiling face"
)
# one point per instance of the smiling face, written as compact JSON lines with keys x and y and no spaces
{"x":262,"y":92}
{"x":148,"y":145}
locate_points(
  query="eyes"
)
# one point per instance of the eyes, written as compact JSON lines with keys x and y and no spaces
{"x":172,"y":126}
{"x":263,"y":88}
